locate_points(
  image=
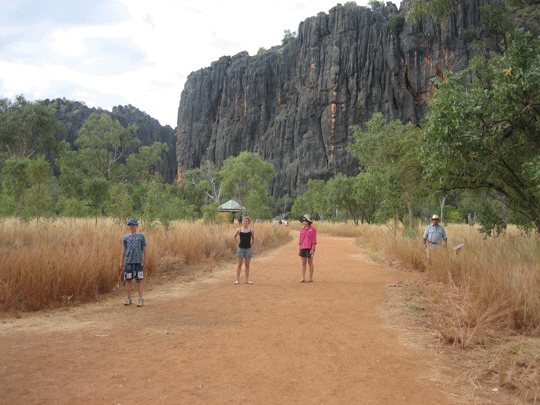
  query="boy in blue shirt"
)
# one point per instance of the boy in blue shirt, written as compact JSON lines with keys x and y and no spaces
{"x":132,"y":259}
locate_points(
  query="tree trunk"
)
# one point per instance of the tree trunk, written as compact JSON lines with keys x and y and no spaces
{"x":443,"y":203}
{"x":471,"y":219}
{"x":411,"y":213}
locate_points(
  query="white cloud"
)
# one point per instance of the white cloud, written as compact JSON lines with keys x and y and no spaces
{"x":135,"y":52}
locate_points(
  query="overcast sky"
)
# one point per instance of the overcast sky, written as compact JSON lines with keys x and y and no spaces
{"x":118,"y":52}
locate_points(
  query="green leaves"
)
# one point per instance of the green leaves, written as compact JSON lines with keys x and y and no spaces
{"x":245,"y":178}
{"x":486,"y":133}
{"x":390,"y":154}
{"x":29,"y":128}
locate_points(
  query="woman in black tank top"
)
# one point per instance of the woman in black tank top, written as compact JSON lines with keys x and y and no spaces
{"x":247,"y":238}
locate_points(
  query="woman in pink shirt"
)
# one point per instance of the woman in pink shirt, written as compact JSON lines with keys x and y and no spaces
{"x":308,"y":240}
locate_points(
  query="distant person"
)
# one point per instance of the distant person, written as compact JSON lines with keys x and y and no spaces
{"x":307,"y":242}
{"x":435,"y":235}
{"x":132,"y":260}
{"x":244,"y":254}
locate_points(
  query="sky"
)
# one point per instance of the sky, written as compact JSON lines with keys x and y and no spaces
{"x":118,"y":52}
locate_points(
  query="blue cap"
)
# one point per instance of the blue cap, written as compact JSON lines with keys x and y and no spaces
{"x":133,"y":222}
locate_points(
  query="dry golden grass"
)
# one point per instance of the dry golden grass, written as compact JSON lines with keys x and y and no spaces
{"x":73,"y":261}
{"x":483,"y":298}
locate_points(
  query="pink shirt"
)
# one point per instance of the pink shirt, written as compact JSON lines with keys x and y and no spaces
{"x":308,"y":236}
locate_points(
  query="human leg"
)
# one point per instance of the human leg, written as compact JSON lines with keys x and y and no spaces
{"x":247,"y":262}
{"x":238,"y":269}
{"x":129,"y":287}
{"x":304,"y":260}
{"x":310,"y":263}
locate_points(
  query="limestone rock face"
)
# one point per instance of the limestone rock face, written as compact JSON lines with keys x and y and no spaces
{"x":296,"y":105}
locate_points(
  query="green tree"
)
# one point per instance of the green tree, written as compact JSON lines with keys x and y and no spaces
{"x":396,"y":25}
{"x":375,"y":4}
{"x":314,"y":201}
{"x":485,"y":134}
{"x":342,"y":194}
{"x":144,"y":165}
{"x":119,"y":204}
{"x":391,"y":152}
{"x":368,"y":195}
{"x":103,"y":143}
{"x":441,"y":9}
{"x":204,"y":180}
{"x":14,"y":184}
{"x":245,"y":178}
{"x":27,"y":188}
{"x":97,"y":191}
{"x":288,"y":36}
{"x":39,"y":197}
{"x":28,"y":128}
{"x":103,"y":160}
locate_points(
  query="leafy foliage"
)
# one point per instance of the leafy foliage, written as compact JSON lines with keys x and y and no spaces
{"x":246,"y":178}
{"x":396,"y":25}
{"x":288,"y":37}
{"x":29,"y":128}
{"x":390,"y":153}
{"x":485,"y":134}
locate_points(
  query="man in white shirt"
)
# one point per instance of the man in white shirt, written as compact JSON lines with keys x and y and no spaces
{"x":434,"y":235}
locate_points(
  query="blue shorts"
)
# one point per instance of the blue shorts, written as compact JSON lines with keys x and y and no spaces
{"x":305,"y":252}
{"x":242,"y":253}
{"x":133,"y":271}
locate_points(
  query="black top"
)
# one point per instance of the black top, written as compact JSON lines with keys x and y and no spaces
{"x":245,"y":240}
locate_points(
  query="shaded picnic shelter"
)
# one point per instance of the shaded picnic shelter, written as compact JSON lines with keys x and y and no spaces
{"x":230,"y":206}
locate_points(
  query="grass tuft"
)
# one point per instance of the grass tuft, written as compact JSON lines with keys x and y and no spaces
{"x":65,"y":263}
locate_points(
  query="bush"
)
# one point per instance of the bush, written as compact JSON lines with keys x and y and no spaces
{"x":396,"y":25}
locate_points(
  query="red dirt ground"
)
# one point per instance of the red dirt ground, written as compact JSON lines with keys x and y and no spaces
{"x":212,"y":342}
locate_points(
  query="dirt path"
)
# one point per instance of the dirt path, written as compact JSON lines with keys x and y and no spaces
{"x":212,"y":342}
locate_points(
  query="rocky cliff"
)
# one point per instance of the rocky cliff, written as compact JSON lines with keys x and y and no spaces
{"x":295,"y":105}
{"x":73,"y":114}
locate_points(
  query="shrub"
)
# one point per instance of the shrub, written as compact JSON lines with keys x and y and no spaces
{"x":396,"y":25}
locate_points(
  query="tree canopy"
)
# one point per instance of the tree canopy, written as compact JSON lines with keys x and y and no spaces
{"x":28,"y":128}
{"x":485,"y":134}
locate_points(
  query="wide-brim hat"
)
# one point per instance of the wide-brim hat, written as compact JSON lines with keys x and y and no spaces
{"x":133,"y":222}
{"x":435,"y":218}
{"x":306,"y":216}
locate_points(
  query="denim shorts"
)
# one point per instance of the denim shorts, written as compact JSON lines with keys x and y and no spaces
{"x":133,"y":271}
{"x":242,"y":253}
{"x":305,"y":252}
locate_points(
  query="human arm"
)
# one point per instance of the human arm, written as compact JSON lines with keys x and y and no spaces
{"x":425,"y":237}
{"x":123,"y":259}
{"x":252,"y":236}
{"x":313,"y":241}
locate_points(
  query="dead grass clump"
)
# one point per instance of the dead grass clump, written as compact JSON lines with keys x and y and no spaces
{"x":516,"y":364}
{"x":487,"y":300}
{"x":74,"y":261}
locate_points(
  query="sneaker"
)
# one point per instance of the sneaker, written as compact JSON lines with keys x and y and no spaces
{"x":237,"y":282}
{"x":128,"y":301}
{"x":249,"y":282}
{"x":140,"y":302}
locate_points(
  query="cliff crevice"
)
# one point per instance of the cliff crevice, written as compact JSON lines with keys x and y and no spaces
{"x":295,"y":105}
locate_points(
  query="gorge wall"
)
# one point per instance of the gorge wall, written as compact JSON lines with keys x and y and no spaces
{"x":295,"y":105}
